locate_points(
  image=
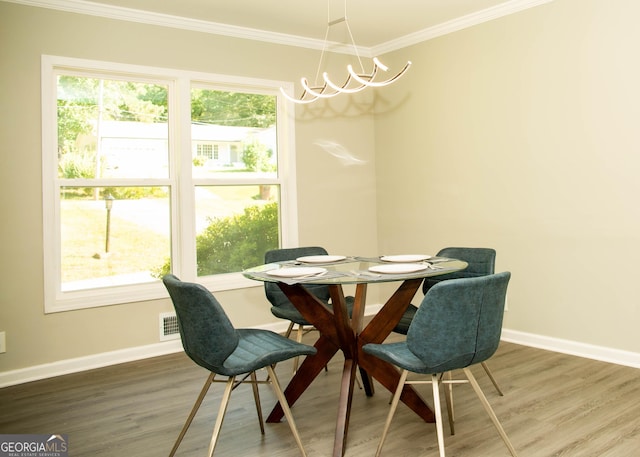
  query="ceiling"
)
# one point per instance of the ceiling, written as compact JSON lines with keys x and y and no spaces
{"x":372,"y":22}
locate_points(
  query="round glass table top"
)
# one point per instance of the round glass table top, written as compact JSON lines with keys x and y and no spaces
{"x":352,"y":270}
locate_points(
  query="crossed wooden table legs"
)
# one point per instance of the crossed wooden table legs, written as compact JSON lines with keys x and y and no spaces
{"x":339,"y":332}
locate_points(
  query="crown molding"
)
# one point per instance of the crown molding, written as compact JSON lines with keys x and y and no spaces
{"x":454,"y":25}
{"x":196,"y":25}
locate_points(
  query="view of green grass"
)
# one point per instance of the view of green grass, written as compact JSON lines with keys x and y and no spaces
{"x":133,"y":247}
{"x":139,"y":230}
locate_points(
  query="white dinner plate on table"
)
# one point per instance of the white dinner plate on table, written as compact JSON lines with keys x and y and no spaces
{"x":398,"y":268}
{"x":408,"y":258}
{"x":296,"y":272}
{"x":321,"y":258}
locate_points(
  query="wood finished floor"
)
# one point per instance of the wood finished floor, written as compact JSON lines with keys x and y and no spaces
{"x":554,"y":405}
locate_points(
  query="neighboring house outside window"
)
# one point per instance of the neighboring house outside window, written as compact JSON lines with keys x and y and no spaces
{"x":130,"y":194}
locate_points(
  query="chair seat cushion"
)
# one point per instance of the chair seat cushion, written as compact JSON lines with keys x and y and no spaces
{"x":400,"y":355}
{"x":289,"y":312}
{"x":259,"y":348}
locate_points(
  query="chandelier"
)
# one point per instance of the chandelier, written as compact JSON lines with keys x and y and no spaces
{"x":354,"y":82}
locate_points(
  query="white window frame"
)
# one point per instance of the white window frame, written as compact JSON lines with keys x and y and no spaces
{"x":183,"y":250}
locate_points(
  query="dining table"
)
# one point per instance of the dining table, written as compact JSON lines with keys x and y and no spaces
{"x":340,"y":330}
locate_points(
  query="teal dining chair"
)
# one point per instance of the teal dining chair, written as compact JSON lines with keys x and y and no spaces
{"x":211,"y":341}
{"x":481,"y":262}
{"x":457,"y":325}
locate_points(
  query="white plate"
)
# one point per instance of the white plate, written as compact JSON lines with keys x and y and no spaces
{"x":398,"y":268}
{"x":405,"y":258}
{"x":321,"y":258}
{"x":295,"y":272}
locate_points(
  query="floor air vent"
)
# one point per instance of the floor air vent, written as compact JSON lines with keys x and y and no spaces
{"x":169,"y":327}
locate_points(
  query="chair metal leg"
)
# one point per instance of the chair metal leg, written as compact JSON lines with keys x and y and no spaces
{"x":489,"y":410}
{"x":356,"y":378}
{"x":299,"y":340}
{"x":287,"y":334}
{"x":493,"y":380}
{"x":221,"y":412}
{"x":448,"y":396}
{"x":392,"y":409}
{"x":285,"y":408}
{"x":435,"y":383}
{"x":289,"y":329}
{"x":300,"y":333}
{"x":194,"y":410}
{"x":256,"y":397}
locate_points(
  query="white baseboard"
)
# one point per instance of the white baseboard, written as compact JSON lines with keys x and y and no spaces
{"x":68,"y":366}
{"x":589,"y":351}
{"x":90,"y":362}
{"x":62,"y":367}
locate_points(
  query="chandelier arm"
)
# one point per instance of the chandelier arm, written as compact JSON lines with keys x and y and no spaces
{"x":365,"y":77}
{"x":378,"y":83}
{"x":313,"y":90}
{"x":342,"y":89}
{"x":300,"y":101}
{"x":379,"y":64}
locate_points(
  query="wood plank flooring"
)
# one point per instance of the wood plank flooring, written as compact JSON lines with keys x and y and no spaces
{"x":554,"y":405}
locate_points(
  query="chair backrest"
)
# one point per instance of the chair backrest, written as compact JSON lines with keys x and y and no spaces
{"x":272,"y":290}
{"x":459,"y":322}
{"x":207,"y":334}
{"x":482,"y":261}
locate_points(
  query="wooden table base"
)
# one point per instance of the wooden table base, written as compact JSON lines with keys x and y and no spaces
{"x":338,"y":331}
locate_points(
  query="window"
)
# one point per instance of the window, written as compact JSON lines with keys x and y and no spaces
{"x":208,"y":151}
{"x":205,"y":150}
{"x":148,"y":171}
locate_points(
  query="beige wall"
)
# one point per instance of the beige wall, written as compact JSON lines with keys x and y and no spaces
{"x":329,"y":193}
{"x":518,"y":133}
{"x":522,"y":134}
